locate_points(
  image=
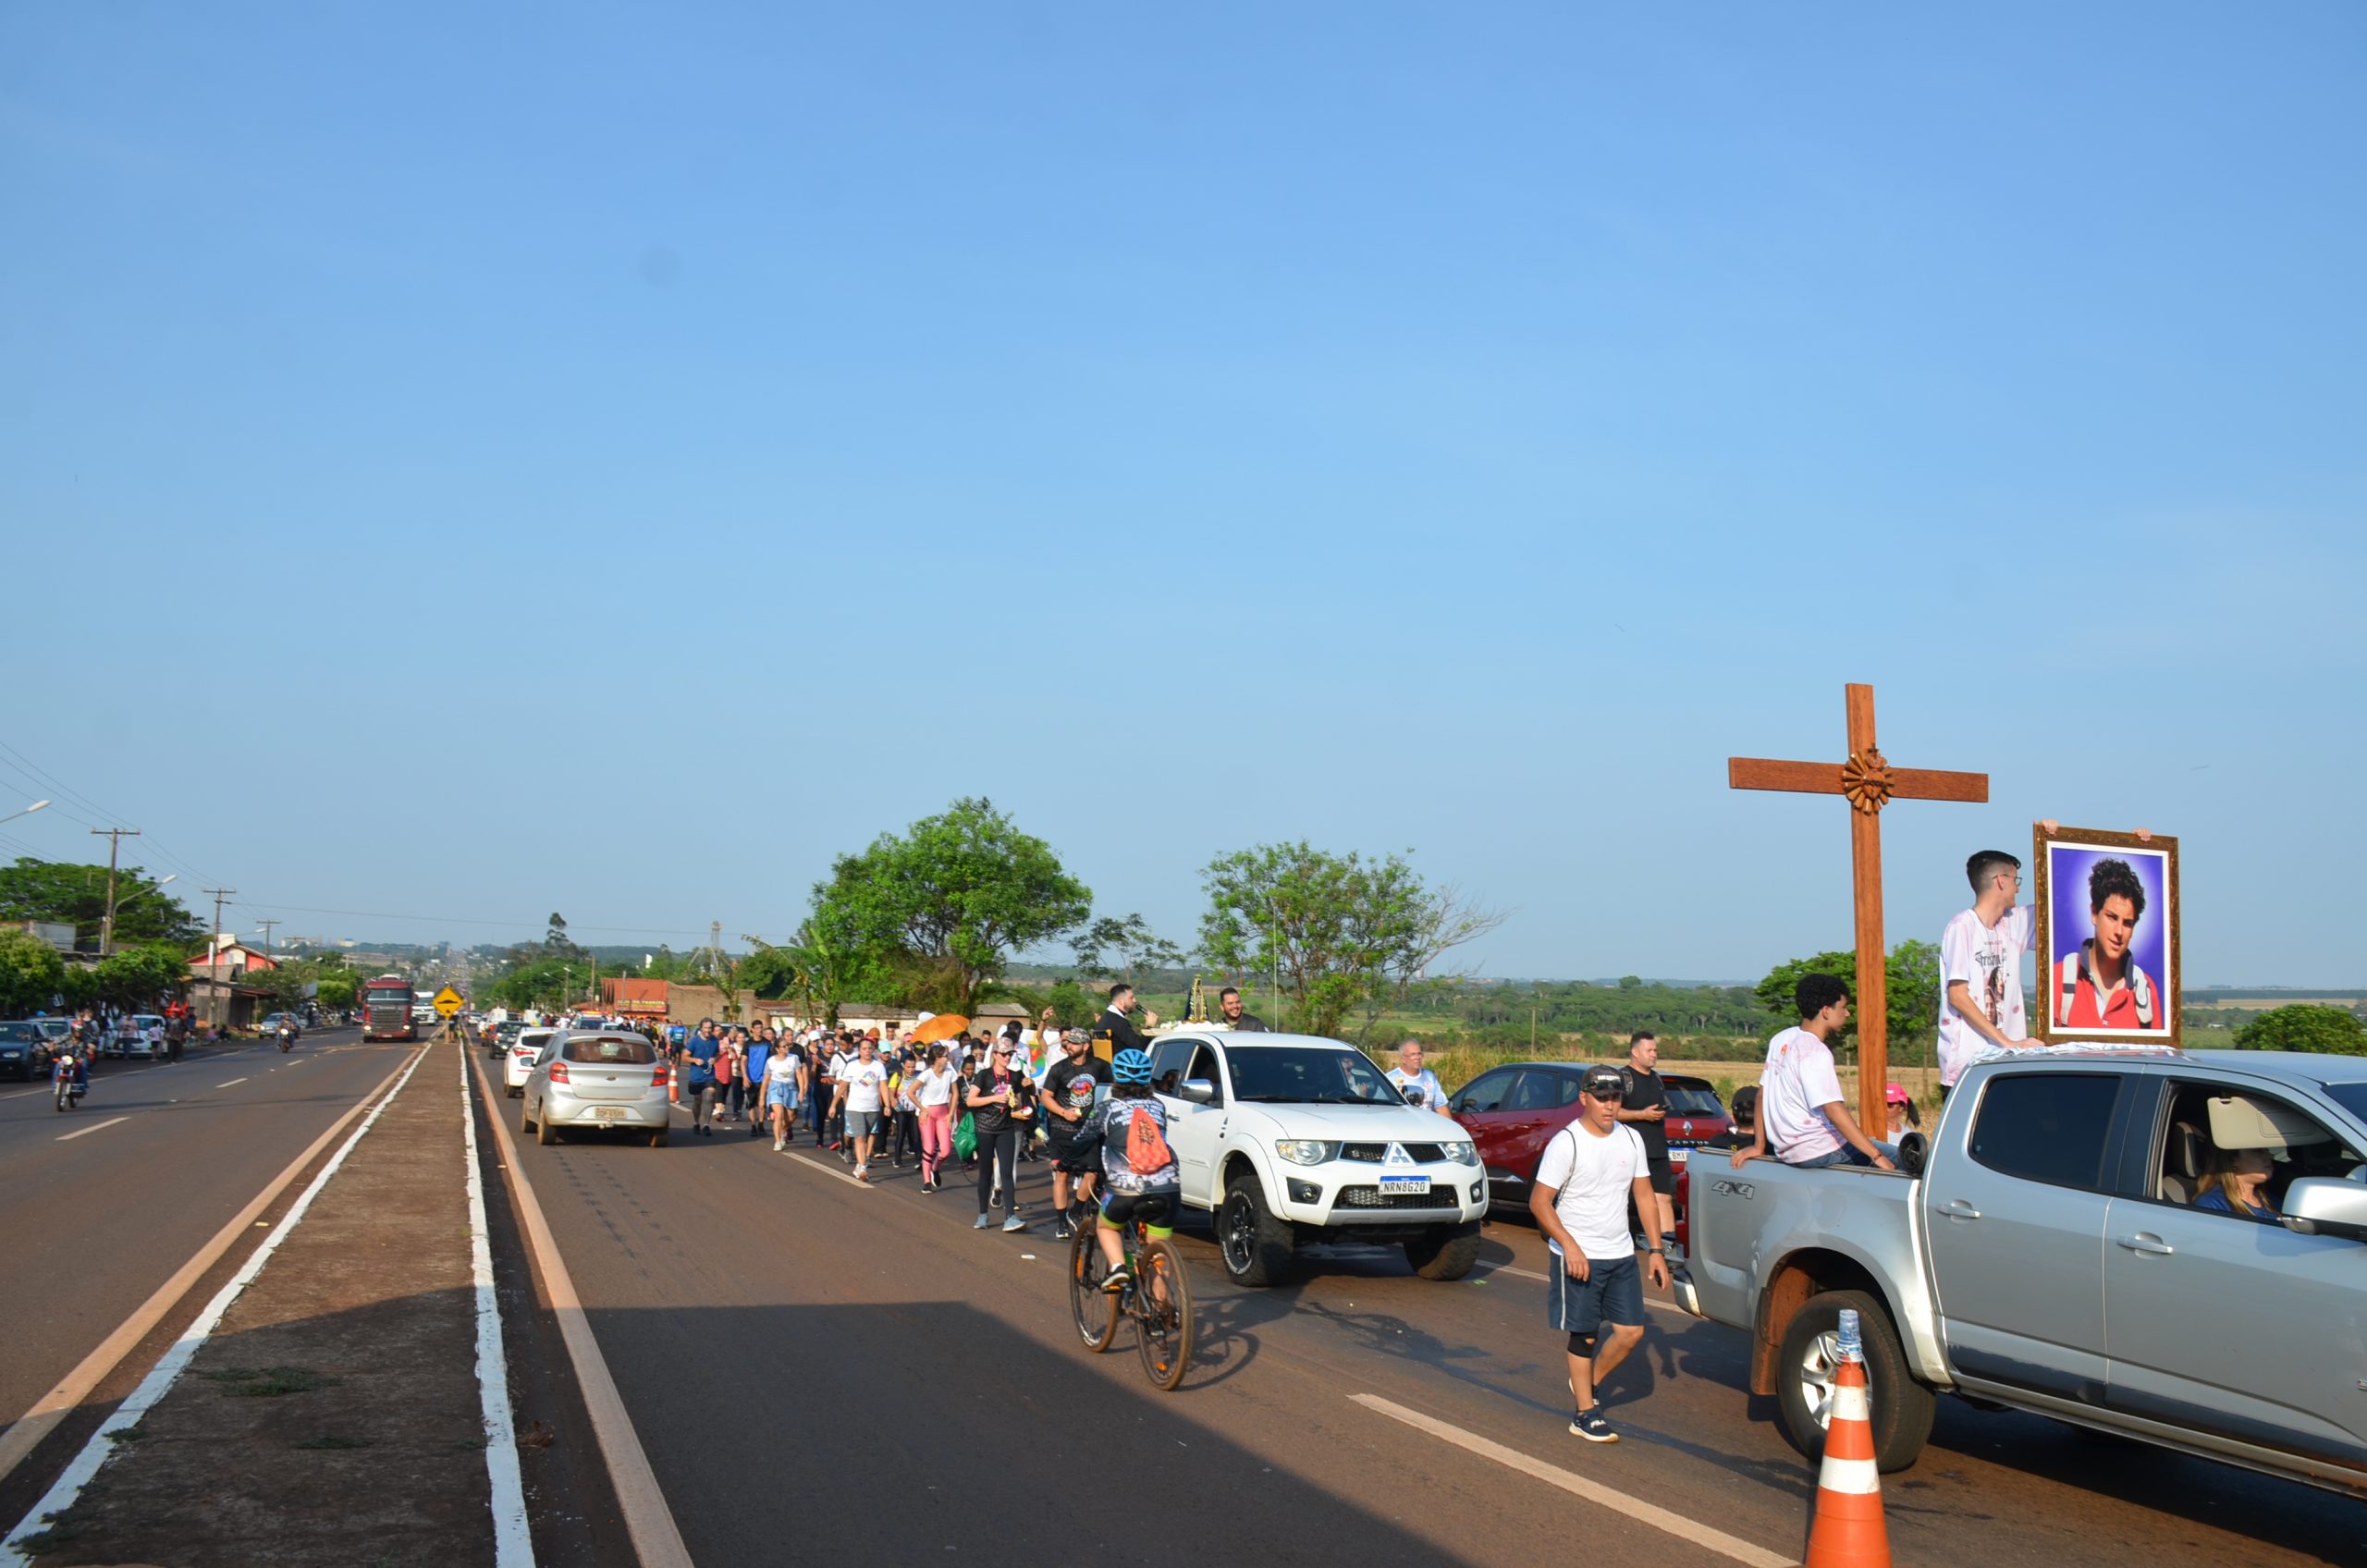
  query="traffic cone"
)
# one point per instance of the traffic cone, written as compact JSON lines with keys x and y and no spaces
{"x":1848,"y":1529}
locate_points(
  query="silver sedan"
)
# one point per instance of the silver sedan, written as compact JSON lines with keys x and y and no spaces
{"x":596,"y":1078}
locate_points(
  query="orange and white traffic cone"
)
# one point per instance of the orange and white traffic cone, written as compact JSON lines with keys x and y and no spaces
{"x":1847,"y":1530}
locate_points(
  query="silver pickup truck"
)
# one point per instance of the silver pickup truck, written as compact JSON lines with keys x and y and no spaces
{"x":2050,"y":1257}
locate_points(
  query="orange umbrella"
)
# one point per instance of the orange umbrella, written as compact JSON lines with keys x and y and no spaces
{"x":944,"y":1027}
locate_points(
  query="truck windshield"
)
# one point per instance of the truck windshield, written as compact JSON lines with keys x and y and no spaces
{"x":1293,"y":1075}
{"x":2352,"y":1097}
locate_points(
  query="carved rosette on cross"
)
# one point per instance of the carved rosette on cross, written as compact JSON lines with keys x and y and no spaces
{"x":1866,"y":780}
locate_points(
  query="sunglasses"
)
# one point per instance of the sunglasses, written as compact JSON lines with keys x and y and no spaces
{"x":1608,"y":1095}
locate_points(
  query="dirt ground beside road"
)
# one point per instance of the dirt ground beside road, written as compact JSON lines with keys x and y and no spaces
{"x":335,"y":1415}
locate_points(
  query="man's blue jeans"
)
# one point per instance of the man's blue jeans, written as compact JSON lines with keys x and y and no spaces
{"x":1844,"y":1155}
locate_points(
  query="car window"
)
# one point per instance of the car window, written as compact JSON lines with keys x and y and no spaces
{"x":2299,"y":1143}
{"x":1539,"y":1090}
{"x":611,"y":1050}
{"x":1309,"y":1076}
{"x":2046,"y":1126}
{"x":17,"y":1033}
{"x":1486,"y":1092}
{"x":1167,"y":1060}
{"x":1685,"y":1099}
{"x":1204,"y":1065}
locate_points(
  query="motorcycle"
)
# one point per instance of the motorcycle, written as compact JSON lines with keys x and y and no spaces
{"x":71,"y":1081}
{"x":287,"y":1038}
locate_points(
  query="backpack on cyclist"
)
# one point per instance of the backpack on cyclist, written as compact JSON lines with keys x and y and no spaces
{"x":1146,"y":1150}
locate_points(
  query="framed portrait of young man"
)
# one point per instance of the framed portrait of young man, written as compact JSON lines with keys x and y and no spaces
{"x":2109,"y":924}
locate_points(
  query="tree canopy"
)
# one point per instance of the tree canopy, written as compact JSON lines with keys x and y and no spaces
{"x":1345,"y":933}
{"x":76,"y":896}
{"x":1911,"y":980}
{"x":2305,"y":1026}
{"x":936,"y":912}
{"x":30,"y":974}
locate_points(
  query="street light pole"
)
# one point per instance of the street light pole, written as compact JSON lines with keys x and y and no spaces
{"x":115,"y":837}
{"x":12,"y":817}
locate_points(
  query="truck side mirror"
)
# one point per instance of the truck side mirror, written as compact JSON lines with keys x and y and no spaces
{"x":1199,"y":1091}
{"x":2328,"y":1206}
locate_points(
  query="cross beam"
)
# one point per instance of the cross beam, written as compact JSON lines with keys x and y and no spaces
{"x":1868,"y":782}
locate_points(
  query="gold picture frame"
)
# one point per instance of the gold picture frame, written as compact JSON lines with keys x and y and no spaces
{"x":2076,"y":937}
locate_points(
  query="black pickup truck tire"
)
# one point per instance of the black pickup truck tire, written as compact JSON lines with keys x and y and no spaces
{"x":1444,"y":1252}
{"x":1902,"y":1408}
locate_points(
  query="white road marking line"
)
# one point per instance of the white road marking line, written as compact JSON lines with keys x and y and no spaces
{"x":1676,"y":1525}
{"x":94,"y":1127}
{"x":234,"y":1082}
{"x":825,"y":1170}
{"x":656,"y":1539}
{"x":177,"y":1357}
{"x":25,"y":1432}
{"x":513,"y":1546}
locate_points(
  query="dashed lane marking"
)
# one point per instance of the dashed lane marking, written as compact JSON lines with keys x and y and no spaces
{"x":231,"y":1085}
{"x":94,"y":1127}
{"x":1643,"y":1513}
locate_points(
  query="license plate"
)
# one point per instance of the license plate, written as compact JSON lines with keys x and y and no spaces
{"x":1392,"y":1185}
{"x":607,"y":1113}
{"x":1677,"y":1156}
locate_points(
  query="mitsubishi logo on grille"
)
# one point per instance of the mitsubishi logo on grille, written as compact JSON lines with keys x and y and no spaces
{"x":1397,"y":1156}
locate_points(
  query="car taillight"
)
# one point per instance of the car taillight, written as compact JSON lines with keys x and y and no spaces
{"x":657,"y":1078}
{"x":558,"y":1072}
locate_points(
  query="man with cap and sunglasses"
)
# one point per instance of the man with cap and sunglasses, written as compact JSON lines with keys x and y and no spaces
{"x":1589,"y":1173}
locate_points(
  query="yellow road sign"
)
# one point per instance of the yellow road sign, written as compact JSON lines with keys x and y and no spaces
{"x":448,"y":1001}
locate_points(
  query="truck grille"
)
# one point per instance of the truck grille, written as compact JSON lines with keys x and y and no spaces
{"x":1373,"y":1197}
{"x":1373,"y":1154}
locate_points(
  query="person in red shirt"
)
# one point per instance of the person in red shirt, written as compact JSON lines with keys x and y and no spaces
{"x":2100,"y":987}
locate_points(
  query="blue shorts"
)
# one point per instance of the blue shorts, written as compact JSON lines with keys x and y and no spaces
{"x":780,"y":1093}
{"x":1612,"y":1292}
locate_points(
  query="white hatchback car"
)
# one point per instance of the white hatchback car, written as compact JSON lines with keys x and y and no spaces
{"x":518,"y":1061}
{"x":596,"y":1078}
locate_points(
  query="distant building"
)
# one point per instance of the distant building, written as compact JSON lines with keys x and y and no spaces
{"x":230,"y":960}
{"x":60,"y":937}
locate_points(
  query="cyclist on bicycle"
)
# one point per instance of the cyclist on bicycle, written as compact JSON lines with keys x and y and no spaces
{"x":1138,"y":1174}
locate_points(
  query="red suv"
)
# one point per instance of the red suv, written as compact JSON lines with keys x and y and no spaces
{"x":1510,"y":1113}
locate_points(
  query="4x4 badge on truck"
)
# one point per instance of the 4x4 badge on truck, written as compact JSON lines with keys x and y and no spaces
{"x":1397,"y":1156}
{"x":1742,"y":1190}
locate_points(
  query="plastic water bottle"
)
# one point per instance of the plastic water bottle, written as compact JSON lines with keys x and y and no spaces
{"x":1852,"y":1347}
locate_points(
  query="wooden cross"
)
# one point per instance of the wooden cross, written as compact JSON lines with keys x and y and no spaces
{"x":1868,"y":783}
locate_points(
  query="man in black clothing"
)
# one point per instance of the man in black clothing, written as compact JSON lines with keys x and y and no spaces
{"x":1067,"y":1095}
{"x":1124,"y":1035}
{"x":1229,"y":1007}
{"x":1646,"y":1110}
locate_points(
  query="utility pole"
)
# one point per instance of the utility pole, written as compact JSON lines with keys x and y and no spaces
{"x":115,"y":837}
{"x":214,"y":958}
{"x":268,"y":927}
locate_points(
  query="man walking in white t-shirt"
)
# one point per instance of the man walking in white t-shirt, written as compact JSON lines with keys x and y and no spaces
{"x":1981,"y":967}
{"x":1589,"y":1171}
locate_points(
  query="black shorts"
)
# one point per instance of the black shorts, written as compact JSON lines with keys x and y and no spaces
{"x":1156,"y":1210}
{"x":1664,"y":1174}
{"x":1066,"y":1160}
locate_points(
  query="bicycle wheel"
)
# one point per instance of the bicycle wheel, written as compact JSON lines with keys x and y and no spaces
{"x":1163,"y":1314}
{"x":1095,"y":1309}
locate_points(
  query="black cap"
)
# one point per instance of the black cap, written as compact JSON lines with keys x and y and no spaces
{"x":1602,"y":1081}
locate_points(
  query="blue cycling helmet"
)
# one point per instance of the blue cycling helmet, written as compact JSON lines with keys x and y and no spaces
{"x":1131,"y":1067}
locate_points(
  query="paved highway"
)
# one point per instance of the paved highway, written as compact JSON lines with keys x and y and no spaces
{"x":103,"y":1204}
{"x":819,"y":1369}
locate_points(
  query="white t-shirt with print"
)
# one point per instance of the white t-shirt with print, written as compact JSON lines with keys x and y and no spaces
{"x":1798,"y":1084}
{"x":1421,"y":1090}
{"x":1988,"y":960}
{"x":1594,"y":1176}
{"x":861,"y":1081}
{"x":782,"y":1065}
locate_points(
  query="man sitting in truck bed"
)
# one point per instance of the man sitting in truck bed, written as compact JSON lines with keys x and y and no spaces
{"x":1801,"y":1115}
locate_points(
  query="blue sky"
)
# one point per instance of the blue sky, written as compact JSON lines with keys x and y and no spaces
{"x":625,"y":455}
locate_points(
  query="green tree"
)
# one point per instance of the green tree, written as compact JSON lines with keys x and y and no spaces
{"x":1912,"y":983}
{"x":30,"y":974}
{"x":339,"y":989}
{"x":2305,"y":1026}
{"x":1343,"y":931}
{"x":944,"y":905}
{"x":1122,"y":949}
{"x":139,"y":977}
{"x":76,"y":896}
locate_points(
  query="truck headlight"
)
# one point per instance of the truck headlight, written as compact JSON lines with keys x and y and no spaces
{"x":1462,"y":1153}
{"x":1306,"y":1151}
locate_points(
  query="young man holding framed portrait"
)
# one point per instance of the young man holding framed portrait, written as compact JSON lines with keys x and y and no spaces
{"x":1980,"y":966}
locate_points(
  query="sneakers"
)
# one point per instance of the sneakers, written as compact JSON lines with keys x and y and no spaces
{"x":1062,"y":1230}
{"x":778,"y":1148}
{"x":1593,"y":1425}
{"x":862,"y":1174}
{"x":984,"y":1223}
{"x":1116,"y":1280}
{"x":1014,"y":1223}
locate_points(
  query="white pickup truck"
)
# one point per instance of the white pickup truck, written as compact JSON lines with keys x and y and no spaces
{"x":2061,"y":1251}
{"x":1292,"y":1138}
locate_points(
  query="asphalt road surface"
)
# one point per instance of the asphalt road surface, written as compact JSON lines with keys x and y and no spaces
{"x":104,"y":1202}
{"x":834,"y":1372}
